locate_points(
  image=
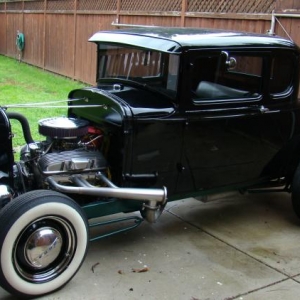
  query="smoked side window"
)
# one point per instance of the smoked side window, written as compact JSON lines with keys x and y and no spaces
{"x":282,"y":74}
{"x":225,"y":76}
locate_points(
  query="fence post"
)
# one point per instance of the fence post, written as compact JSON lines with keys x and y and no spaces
{"x":23,"y":8}
{"x":118,"y":11}
{"x":183,"y":12}
{"x":44,"y":35}
{"x":74,"y":37}
{"x":5,"y":27}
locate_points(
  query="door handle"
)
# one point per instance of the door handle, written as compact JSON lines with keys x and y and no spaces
{"x":263,"y":109}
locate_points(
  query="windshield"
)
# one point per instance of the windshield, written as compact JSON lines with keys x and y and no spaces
{"x":158,"y":70}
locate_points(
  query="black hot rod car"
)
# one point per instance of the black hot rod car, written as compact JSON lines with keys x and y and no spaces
{"x":186,"y":111}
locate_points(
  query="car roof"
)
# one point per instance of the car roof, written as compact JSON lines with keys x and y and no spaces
{"x":175,"y":40}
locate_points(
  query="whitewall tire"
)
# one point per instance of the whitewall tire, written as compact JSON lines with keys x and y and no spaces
{"x":43,"y":242}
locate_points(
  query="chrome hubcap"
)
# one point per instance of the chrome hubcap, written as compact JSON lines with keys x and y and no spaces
{"x":44,"y":249}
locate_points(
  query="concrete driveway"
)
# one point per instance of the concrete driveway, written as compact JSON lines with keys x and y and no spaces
{"x":232,"y":247}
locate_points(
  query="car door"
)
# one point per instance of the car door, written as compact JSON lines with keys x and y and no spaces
{"x":235,"y":125}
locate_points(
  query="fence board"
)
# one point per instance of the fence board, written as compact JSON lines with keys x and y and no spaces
{"x":34,"y":28}
{"x":3,"y":38}
{"x":14,"y":22}
{"x":86,"y":25}
{"x":57,"y":32}
{"x":59,"y":41}
{"x":289,"y":28}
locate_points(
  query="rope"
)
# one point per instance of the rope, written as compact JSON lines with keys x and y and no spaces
{"x":284,"y":29}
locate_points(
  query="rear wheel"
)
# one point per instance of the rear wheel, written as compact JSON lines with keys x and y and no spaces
{"x":43,"y":242}
{"x":296,"y":192}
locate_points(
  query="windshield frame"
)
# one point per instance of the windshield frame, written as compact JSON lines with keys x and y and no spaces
{"x":157,"y":70}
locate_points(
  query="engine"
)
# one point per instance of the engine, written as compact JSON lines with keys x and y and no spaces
{"x":71,"y":147}
{"x":70,"y":161}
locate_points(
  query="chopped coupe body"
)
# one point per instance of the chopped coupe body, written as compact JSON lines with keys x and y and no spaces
{"x":198,"y":109}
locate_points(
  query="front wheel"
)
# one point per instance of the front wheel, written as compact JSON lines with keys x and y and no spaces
{"x":43,"y":242}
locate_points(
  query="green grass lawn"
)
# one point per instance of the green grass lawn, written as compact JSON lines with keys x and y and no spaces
{"x":21,"y":83}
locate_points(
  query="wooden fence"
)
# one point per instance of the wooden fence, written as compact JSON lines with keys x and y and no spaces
{"x":56,"y":32}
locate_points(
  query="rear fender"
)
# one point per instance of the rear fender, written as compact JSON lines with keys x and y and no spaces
{"x":285,"y":162}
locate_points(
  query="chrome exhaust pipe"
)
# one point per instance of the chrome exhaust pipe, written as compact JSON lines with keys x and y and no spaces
{"x":154,"y":200}
{"x":85,"y":188}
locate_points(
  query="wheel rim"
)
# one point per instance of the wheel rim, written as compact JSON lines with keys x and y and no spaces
{"x":44,"y":249}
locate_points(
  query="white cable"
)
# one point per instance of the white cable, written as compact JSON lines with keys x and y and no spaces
{"x":42,"y":103}
{"x":53,"y":106}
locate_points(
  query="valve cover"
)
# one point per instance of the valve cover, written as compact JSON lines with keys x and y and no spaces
{"x":72,"y":161}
